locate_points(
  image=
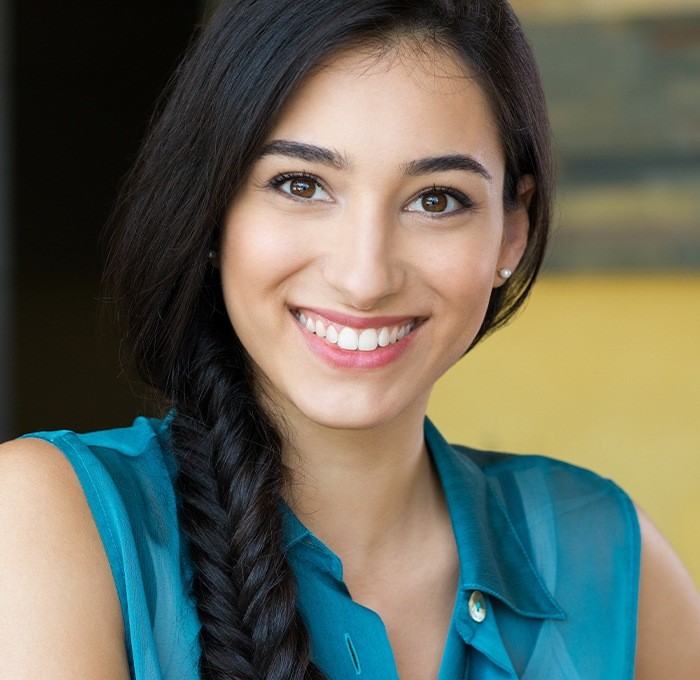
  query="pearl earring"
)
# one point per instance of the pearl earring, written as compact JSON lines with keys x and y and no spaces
{"x":504,"y":273}
{"x":213,"y":258}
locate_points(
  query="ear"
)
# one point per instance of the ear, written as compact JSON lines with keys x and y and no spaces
{"x":516,"y":227}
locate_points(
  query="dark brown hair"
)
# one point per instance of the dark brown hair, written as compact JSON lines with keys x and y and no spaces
{"x":213,"y":121}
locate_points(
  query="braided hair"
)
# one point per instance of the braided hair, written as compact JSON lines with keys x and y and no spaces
{"x":209,"y":128}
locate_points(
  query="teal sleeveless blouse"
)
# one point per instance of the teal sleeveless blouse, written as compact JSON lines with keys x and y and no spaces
{"x":549,"y":566}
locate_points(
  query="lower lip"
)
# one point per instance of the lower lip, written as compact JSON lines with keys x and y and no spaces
{"x":343,"y":358}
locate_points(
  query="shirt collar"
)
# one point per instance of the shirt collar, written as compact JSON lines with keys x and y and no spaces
{"x":491,"y":555}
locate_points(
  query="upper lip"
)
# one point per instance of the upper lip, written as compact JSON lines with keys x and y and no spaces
{"x":355,"y":321}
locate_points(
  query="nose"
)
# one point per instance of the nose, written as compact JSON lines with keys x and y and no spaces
{"x":363,"y":264}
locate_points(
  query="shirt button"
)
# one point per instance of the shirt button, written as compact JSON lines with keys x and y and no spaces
{"x":477,"y":606}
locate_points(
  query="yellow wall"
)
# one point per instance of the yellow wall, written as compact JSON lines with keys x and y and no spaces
{"x":601,"y":371}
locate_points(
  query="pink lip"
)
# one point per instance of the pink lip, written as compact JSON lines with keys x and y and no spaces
{"x":355,"y":321}
{"x":336,"y":357}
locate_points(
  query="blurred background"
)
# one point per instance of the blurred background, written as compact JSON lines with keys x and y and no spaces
{"x":602,"y":368}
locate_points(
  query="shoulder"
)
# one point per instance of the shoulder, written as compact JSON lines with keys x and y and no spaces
{"x":669,"y":612}
{"x":126,"y":475}
{"x":553,"y":503}
{"x":58,"y":594}
{"x":547,"y":484}
{"x":581,"y":533}
{"x":560,"y":508}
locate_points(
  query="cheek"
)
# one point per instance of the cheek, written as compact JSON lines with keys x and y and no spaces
{"x":257,"y":258}
{"x":462,"y":277}
{"x":463,"y":269}
{"x":469,"y":303}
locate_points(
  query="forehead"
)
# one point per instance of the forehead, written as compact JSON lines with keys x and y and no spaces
{"x":411,"y":100}
{"x":427,"y":62}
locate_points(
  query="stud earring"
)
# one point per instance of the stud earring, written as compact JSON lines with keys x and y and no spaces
{"x":504,"y":273}
{"x":213,"y":259}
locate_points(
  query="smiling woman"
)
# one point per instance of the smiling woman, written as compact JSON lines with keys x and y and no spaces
{"x":337,"y":202}
{"x":396,"y":237}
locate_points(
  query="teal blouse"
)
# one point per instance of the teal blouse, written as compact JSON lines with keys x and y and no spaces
{"x":549,"y":566}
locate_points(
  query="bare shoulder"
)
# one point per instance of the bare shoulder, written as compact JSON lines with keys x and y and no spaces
{"x":668,"y":642}
{"x":60,"y":615}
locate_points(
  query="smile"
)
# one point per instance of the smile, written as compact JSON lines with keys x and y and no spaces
{"x":353,"y":339}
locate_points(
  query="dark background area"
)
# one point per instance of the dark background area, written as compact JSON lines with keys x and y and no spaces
{"x":84,"y":79}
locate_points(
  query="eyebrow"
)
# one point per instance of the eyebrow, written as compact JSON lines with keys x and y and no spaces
{"x":304,"y":152}
{"x":422,"y":166}
{"x":457,"y":161}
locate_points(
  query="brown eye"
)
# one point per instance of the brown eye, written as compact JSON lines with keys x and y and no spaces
{"x":440,"y":202}
{"x":434,"y":202}
{"x":303,"y":187}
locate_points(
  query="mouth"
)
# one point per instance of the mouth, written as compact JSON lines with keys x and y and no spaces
{"x":355,"y":339}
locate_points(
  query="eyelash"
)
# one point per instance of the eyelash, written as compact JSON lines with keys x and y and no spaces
{"x":277,"y":181}
{"x":464,"y":201}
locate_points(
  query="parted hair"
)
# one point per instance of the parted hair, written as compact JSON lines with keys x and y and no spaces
{"x":208,"y":130}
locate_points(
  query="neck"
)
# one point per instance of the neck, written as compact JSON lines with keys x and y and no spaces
{"x":365,"y":493}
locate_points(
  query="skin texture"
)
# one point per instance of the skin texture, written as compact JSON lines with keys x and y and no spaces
{"x":668,"y":642}
{"x":361,"y":244}
{"x":60,"y":616}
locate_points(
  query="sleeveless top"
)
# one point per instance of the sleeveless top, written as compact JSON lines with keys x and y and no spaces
{"x":549,"y":566}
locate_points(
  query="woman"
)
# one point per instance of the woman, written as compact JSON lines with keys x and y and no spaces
{"x":336,"y":203}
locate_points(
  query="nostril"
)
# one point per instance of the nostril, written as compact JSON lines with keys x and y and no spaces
{"x":353,"y":654}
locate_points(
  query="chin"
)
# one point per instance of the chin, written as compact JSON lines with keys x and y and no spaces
{"x":348,"y":419}
{"x":354,"y":414}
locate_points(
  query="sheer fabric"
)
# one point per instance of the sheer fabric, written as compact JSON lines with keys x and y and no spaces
{"x":549,"y":566}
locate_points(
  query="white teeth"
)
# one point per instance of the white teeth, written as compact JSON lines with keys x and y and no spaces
{"x":332,"y":335}
{"x":368,"y":340}
{"x":383,"y":339}
{"x":347,"y":339}
{"x":350,"y":339}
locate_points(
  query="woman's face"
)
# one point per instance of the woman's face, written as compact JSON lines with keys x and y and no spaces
{"x":358,"y":259}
